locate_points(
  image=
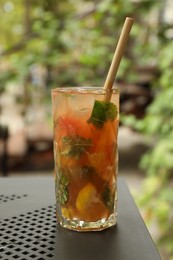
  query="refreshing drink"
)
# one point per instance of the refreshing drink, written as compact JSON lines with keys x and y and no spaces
{"x":85,"y":155}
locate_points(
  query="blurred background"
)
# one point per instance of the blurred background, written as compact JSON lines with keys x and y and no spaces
{"x":49,"y":43}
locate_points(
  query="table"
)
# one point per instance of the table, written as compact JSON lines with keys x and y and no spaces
{"x":28,"y":228}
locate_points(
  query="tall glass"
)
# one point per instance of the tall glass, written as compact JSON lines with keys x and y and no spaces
{"x":86,"y":157}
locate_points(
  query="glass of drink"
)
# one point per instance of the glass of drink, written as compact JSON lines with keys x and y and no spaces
{"x":85,"y":156}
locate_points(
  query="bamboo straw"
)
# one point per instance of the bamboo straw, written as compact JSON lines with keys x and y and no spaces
{"x":117,"y":56}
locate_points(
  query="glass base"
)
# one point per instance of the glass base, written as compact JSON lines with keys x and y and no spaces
{"x":82,"y":226}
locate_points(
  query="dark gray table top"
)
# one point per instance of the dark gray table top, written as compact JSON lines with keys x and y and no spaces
{"x":28,"y":227}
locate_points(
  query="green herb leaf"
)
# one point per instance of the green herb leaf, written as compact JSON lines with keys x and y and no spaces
{"x":75,"y":146}
{"x":108,"y":198}
{"x":87,"y":171}
{"x":61,"y":189}
{"x":102,"y":112}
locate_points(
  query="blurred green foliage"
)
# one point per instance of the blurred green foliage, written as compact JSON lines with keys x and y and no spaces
{"x":157,"y":195}
{"x":74,"y":40}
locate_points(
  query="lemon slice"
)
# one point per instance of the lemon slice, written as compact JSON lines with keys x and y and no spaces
{"x":85,"y":197}
{"x":65,"y":213}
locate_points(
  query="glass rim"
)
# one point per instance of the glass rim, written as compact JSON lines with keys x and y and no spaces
{"x":85,"y":90}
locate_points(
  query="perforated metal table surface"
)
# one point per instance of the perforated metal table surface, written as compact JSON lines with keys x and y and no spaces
{"x":28,"y":228}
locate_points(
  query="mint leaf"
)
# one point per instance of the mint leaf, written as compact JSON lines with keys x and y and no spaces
{"x":61,"y":189}
{"x":87,"y":171}
{"x":75,"y":146}
{"x":108,"y":198}
{"x":102,"y":112}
